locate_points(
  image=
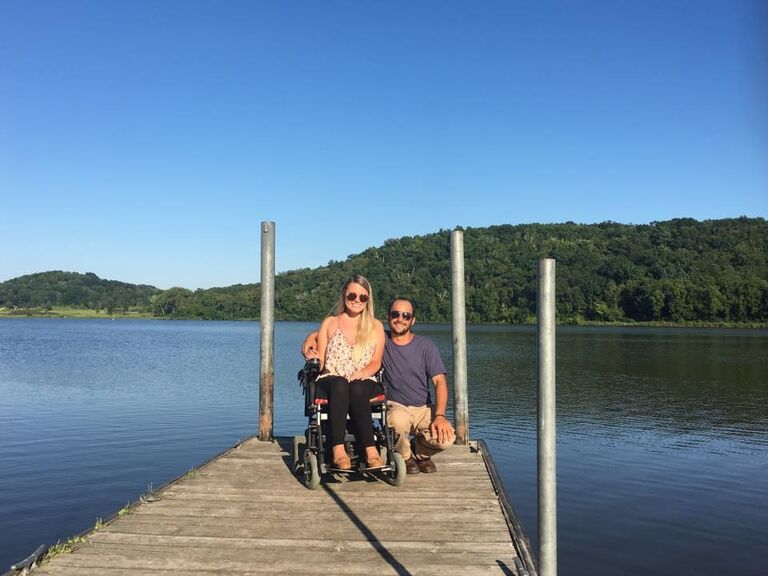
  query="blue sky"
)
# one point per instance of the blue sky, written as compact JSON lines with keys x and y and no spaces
{"x":145,"y":141}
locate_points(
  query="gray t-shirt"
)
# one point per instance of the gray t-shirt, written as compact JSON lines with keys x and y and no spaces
{"x":408,"y":370}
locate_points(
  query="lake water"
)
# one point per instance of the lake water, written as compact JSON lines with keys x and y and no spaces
{"x":662,"y":433}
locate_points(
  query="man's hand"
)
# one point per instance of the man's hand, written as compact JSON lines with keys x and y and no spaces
{"x":309,"y":347}
{"x":440,"y":428}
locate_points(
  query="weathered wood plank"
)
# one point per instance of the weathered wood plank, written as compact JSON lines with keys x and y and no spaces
{"x":425,"y":494}
{"x":372,"y":518}
{"x":342,"y":563}
{"x":287,"y":482}
{"x":125,"y":555}
{"x":311,"y":544}
{"x":248,"y":528}
{"x":217,"y":507}
{"x":438,"y":570}
{"x":313,"y":500}
{"x":297,"y":514}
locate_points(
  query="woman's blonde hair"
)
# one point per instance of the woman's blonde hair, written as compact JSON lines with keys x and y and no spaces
{"x":366,"y":321}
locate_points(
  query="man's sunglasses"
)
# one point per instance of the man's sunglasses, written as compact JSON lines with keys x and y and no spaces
{"x":394,"y":315}
{"x":351,"y":297}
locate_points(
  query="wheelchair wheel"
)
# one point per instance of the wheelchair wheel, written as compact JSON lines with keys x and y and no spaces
{"x":299,"y":445}
{"x":396,"y":476}
{"x":311,"y":472}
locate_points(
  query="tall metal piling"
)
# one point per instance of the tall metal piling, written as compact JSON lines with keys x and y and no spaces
{"x":267,"y":322}
{"x":546,"y":418}
{"x":459,"y":315}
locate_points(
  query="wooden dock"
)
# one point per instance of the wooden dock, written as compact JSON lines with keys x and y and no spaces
{"x":245,"y":512}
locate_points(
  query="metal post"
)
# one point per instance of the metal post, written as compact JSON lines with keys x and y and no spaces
{"x":267,"y":322}
{"x":546,"y":419}
{"x":459,"y":315}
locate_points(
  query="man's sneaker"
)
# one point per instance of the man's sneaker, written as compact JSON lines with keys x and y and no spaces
{"x":411,"y":466}
{"x":426,"y":466}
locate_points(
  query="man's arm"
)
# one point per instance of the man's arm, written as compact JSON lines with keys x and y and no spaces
{"x":322,"y":337}
{"x":441,"y":427}
{"x":309,"y":347}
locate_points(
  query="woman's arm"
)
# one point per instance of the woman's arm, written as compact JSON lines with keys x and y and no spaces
{"x":375,"y":364}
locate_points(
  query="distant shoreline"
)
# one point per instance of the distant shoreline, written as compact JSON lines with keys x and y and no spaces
{"x":69,"y":313}
{"x":86,"y":313}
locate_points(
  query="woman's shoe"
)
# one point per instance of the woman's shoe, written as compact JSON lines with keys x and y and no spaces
{"x":375,"y":462}
{"x":342,"y":462}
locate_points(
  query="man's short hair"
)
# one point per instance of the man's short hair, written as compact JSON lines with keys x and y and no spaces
{"x":404,"y":299}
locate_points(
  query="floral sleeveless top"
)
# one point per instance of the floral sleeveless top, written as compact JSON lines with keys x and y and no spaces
{"x":339,"y":357}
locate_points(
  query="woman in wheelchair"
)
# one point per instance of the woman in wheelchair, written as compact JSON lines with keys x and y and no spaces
{"x":350,"y":345}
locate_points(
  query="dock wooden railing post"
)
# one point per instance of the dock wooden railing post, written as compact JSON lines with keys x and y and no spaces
{"x":458,"y":313}
{"x":546,"y":418}
{"x":267,"y":323}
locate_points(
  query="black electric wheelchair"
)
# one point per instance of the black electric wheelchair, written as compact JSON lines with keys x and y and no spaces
{"x":311,"y":454}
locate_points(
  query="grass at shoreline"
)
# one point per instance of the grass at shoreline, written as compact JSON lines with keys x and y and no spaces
{"x":135,"y":314}
{"x":69,"y":313}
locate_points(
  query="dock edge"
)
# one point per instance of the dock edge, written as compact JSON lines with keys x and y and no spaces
{"x":520,"y":540}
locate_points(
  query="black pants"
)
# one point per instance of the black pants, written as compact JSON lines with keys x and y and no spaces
{"x":351,"y":398}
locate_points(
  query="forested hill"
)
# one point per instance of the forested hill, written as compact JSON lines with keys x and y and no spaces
{"x":676,"y":271}
{"x":70,"y":289}
{"x":680,"y":270}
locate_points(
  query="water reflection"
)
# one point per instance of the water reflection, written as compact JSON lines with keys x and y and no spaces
{"x":662,"y":442}
{"x":694,"y":385}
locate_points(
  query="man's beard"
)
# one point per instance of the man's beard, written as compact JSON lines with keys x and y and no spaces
{"x":400,"y":331}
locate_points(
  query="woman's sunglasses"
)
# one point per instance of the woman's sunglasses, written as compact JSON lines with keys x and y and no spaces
{"x":394,"y":315}
{"x":351,"y":297}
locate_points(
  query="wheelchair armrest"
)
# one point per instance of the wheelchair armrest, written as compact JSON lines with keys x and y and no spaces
{"x":309,"y":372}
